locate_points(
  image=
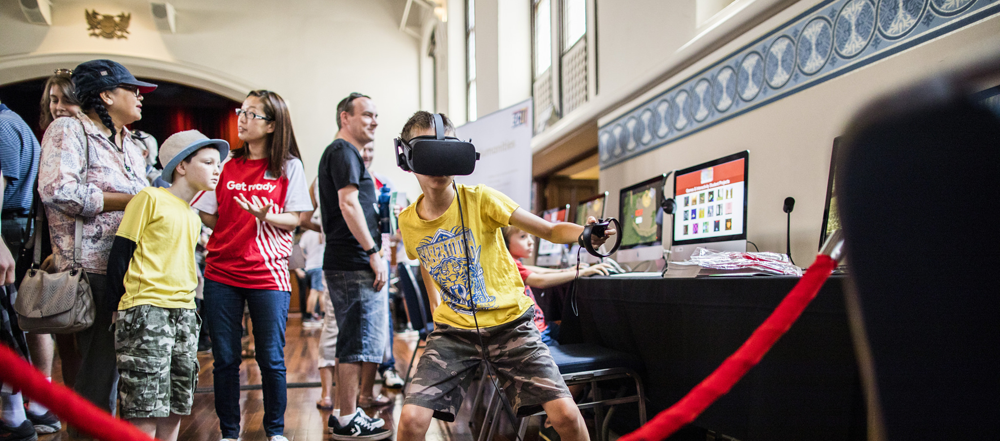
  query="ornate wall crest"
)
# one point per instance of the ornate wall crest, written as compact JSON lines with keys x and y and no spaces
{"x":108,"y":26}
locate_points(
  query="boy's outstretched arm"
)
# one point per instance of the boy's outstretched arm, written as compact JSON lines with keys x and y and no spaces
{"x":563,"y":232}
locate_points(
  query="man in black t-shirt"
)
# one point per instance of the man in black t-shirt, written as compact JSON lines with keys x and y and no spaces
{"x":354,"y":270}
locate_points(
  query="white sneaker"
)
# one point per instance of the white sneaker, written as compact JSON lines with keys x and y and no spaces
{"x":277,"y":438}
{"x":392,"y":379}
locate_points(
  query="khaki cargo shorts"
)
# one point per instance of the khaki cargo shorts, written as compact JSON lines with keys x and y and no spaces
{"x":157,"y":355}
{"x":523,"y":365}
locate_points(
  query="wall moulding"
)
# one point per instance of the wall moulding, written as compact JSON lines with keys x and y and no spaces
{"x":833,"y":38}
{"x":744,"y":16}
{"x":26,"y":67}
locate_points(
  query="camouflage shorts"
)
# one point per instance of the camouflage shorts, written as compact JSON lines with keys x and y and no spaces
{"x":157,"y":355}
{"x":524,"y":367}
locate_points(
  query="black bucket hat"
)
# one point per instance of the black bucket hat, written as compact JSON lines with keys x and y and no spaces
{"x":99,"y":75}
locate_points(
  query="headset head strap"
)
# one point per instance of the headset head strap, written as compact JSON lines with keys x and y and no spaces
{"x":438,"y":126}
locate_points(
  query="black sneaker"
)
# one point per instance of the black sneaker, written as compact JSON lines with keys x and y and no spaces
{"x":24,"y":432}
{"x":361,"y":427}
{"x":333,"y":423}
{"x":45,"y":423}
{"x":548,"y":434}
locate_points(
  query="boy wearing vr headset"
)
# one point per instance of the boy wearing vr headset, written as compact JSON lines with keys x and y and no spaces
{"x":483,"y":303}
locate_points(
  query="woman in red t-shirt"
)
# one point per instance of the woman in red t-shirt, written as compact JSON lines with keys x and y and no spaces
{"x":253,"y":212}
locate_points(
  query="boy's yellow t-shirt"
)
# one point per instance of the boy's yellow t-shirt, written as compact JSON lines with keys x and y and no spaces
{"x":162,"y":271}
{"x":437,"y":243}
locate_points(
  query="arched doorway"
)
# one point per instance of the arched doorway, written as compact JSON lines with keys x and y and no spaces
{"x":171,"y":108}
{"x":189,"y":96}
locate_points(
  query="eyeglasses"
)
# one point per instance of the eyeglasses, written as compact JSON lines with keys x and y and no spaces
{"x":251,"y":115}
{"x":66,"y":72}
{"x":132,"y":89}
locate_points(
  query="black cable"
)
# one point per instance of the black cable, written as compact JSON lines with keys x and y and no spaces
{"x":754,"y":246}
{"x":572,"y":288}
{"x":472,"y":299}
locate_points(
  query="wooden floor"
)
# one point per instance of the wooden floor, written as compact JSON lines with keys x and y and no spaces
{"x":303,"y":421}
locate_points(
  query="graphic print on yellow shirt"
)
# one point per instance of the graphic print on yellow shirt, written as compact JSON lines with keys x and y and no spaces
{"x":497,"y":290}
{"x":444,"y":257}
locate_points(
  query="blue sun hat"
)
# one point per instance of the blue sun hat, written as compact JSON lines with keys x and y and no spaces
{"x":99,"y":75}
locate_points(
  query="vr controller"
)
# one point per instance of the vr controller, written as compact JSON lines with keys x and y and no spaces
{"x":598,"y":229}
{"x":437,"y":155}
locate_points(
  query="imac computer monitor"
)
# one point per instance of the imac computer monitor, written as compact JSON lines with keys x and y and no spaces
{"x":831,"y":217}
{"x":711,"y":206}
{"x":550,"y":254}
{"x":593,"y":206}
{"x":642,"y":220}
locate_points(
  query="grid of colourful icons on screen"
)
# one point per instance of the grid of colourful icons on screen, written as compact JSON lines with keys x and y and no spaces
{"x":710,"y":200}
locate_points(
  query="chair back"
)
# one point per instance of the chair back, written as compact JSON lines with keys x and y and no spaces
{"x":418,"y":308}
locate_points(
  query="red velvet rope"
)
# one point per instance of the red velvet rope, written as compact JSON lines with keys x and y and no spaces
{"x":746,"y":357}
{"x":70,"y":407}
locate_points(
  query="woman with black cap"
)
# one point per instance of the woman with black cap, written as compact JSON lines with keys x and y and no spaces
{"x":90,"y":168}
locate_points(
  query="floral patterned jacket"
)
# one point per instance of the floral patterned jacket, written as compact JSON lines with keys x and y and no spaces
{"x":65,"y":196}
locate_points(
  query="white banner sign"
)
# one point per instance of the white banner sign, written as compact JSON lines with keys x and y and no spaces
{"x":503,"y":140}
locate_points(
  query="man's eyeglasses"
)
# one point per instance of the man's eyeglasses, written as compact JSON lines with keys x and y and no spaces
{"x":133,"y":89}
{"x":251,"y":115}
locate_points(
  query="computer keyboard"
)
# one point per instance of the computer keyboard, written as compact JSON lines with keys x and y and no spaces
{"x":637,"y":275}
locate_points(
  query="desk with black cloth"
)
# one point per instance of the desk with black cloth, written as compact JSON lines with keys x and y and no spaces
{"x":806,"y":387}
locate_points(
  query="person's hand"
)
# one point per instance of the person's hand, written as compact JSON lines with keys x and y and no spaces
{"x":596,"y":240}
{"x":300,"y":272}
{"x":7,"y":264}
{"x":114,"y":317}
{"x":381,"y":270}
{"x":49,"y":264}
{"x":602,"y":269}
{"x":256,"y":207}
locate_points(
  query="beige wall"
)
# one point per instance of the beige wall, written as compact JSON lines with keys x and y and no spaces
{"x":313,"y":53}
{"x":633,"y":36}
{"x":790,"y":140}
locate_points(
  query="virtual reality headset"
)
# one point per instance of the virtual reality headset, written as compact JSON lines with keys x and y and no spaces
{"x":436,"y":155}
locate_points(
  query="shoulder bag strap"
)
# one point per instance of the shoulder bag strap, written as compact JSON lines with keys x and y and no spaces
{"x":39,"y":229}
{"x":36,"y":223}
{"x":78,"y":237}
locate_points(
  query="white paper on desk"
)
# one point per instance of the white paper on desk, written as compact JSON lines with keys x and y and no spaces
{"x":681,"y":271}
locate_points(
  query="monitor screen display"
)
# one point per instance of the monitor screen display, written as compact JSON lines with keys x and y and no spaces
{"x":711,"y":201}
{"x":591,"y":207}
{"x":640,"y":214}
{"x":831,"y":217}
{"x":554,"y":215}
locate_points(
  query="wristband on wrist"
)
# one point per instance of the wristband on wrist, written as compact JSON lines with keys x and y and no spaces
{"x":371,"y":251}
